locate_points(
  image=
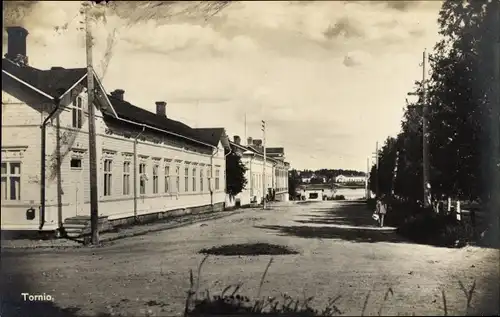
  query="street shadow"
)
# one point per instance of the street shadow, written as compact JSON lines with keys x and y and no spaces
{"x":13,"y":285}
{"x":351,"y":221}
{"x":346,"y":213}
{"x":366,"y":235}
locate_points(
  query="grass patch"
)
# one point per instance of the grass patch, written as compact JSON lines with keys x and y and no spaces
{"x":230,"y":302}
{"x":249,"y":249}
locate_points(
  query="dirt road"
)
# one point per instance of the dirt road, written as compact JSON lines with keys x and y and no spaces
{"x":341,"y":252}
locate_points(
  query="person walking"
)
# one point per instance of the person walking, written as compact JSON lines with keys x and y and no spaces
{"x":381,"y":210}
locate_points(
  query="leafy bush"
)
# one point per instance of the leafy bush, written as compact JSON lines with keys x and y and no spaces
{"x":436,"y":229}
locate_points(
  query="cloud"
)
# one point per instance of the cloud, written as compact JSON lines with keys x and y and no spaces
{"x":356,"y":58}
{"x":330,"y":77}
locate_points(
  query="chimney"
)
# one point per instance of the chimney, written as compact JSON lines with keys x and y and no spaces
{"x":237,"y":139}
{"x":257,"y":142}
{"x":118,"y":93}
{"x":161,"y":108}
{"x":249,"y":141}
{"x":16,"y":44}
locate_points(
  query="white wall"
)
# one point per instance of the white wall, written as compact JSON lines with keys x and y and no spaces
{"x":23,"y":122}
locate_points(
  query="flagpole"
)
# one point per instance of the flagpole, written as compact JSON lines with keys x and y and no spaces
{"x":245,"y":126}
{"x":264,"y":178}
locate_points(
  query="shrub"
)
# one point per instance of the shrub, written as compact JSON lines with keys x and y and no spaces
{"x":436,"y":229}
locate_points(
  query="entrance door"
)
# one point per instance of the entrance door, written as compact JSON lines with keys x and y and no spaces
{"x":77,"y":196}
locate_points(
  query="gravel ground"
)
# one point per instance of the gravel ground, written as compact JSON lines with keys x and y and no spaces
{"x":340,"y":253}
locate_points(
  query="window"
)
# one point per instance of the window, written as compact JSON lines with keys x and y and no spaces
{"x":194,"y":179}
{"x":142,"y":177}
{"x":186,"y":179}
{"x":126,"y":178}
{"x":77,"y":112}
{"x":167,"y":178}
{"x":108,"y":164}
{"x":217,"y":179}
{"x":155,"y":179}
{"x":177,"y":178}
{"x":11,"y":181}
{"x":201,"y":180}
{"x":75,"y":163}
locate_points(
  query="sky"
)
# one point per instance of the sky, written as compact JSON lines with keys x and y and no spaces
{"x":329,"y":78}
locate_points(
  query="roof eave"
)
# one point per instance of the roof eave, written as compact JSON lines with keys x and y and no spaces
{"x":46,"y":95}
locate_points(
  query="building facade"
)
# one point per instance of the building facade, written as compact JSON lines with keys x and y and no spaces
{"x":350,"y":179}
{"x":146,"y":162}
{"x":276,"y":172}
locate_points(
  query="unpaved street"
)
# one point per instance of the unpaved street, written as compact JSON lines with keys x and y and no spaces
{"x":341,"y":253}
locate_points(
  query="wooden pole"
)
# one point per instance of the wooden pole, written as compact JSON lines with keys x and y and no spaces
{"x":425,"y":143}
{"x":94,"y":213}
{"x":376,"y":171}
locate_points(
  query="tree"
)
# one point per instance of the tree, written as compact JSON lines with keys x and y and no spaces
{"x":235,"y":175}
{"x":387,"y":160}
{"x":293,"y":183}
{"x":460,"y":99}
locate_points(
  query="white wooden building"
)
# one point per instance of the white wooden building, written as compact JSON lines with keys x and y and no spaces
{"x":147,"y":163}
{"x":276,"y":178}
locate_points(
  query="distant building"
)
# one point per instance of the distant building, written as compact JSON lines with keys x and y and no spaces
{"x":316,"y":192}
{"x":276,"y":180}
{"x":350,"y":179}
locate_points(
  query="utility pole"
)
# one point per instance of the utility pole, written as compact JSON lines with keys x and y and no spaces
{"x":376,"y":169}
{"x":264,"y":179}
{"x":94,"y":213}
{"x":367,"y":190}
{"x":425,"y":143}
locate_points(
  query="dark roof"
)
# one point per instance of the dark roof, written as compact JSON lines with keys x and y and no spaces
{"x":275,"y":150}
{"x":53,"y":82}
{"x":211,"y":136}
{"x":128,"y":111}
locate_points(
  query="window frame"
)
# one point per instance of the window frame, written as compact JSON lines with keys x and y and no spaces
{"x":107,"y":177}
{"x":156,"y":169}
{"x":142,"y":180}
{"x":8,"y":176}
{"x":77,"y":113}
{"x":166,"y":170}
{"x":126,"y":178}
{"x":186,"y":179}
{"x":217,"y":179}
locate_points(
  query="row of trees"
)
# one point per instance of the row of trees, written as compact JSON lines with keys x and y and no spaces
{"x":462,"y":94}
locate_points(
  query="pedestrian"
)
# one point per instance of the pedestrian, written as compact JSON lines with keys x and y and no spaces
{"x":381,"y":210}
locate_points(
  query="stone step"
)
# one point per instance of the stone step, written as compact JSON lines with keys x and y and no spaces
{"x":75,"y":225}
{"x":84,"y":219}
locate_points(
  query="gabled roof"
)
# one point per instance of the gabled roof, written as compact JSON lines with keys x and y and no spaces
{"x":128,"y":111}
{"x":52,"y":82}
{"x":211,"y":135}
